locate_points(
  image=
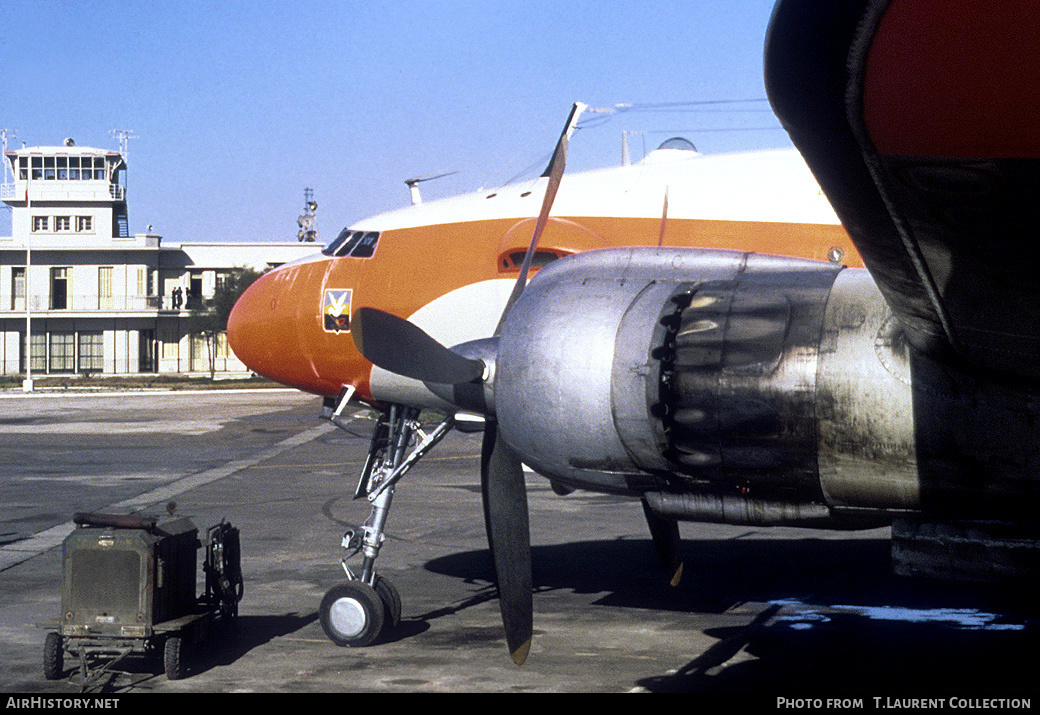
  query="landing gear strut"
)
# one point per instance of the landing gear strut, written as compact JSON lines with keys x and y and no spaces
{"x":357,"y":612}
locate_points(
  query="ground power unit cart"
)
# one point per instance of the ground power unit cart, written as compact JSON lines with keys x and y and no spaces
{"x":129,"y":588}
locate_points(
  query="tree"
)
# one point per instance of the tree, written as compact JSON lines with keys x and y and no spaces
{"x":208,"y":317}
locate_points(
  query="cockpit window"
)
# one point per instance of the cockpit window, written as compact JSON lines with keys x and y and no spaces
{"x":330,"y":250}
{"x":366,"y":245}
{"x":356,"y":244}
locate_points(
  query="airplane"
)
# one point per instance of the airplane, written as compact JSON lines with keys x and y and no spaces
{"x":733,"y":339}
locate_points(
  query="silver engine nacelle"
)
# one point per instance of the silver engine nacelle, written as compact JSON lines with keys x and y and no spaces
{"x":721,"y":386}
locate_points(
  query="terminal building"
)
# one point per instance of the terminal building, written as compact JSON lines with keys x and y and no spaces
{"x":98,"y":300}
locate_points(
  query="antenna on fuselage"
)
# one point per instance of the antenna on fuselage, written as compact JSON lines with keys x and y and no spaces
{"x":626,"y":156}
{"x":413,"y":188}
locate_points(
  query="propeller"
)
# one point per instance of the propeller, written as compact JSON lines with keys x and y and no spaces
{"x":555,"y":173}
{"x":402,"y":347}
{"x":504,"y":494}
{"x":399,"y":346}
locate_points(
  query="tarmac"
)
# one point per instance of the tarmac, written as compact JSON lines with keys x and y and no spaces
{"x":778,"y":613}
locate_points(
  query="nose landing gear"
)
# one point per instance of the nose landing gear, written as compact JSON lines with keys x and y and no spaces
{"x":357,"y":612}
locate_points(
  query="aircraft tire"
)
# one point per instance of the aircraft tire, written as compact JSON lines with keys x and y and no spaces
{"x":391,"y":599}
{"x":352,"y":614}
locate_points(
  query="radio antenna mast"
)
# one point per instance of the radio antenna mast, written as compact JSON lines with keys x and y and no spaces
{"x":307,"y":221}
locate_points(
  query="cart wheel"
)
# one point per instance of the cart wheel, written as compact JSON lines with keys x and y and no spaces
{"x":53,"y":657}
{"x":391,"y":599}
{"x":352,"y":614}
{"x":228,"y":613}
{"x":173,"y":657}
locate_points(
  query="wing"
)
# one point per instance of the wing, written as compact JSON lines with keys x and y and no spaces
{"x":919,"y":120}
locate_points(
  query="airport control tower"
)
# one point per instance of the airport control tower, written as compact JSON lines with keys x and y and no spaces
{"x":66,"y":195}
{"x":92,"y":296}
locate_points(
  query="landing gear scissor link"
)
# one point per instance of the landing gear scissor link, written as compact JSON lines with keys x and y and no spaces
{"x":356,"y":612}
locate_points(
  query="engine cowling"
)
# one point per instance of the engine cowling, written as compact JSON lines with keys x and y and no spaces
{"x":720,"y":386}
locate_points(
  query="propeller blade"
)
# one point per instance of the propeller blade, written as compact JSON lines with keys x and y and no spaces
{"x":505,"y":513}
{"x":664,"y":219}
{"x":555,"y":173}
{"x":665,"y":535}
{"x":402,"y":347}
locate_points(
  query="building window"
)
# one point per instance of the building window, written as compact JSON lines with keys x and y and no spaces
{"x":40,"y":223}
{"x":85,"y":224}
{"x":38,"y":359}
{"x":62,"y":352}
{"x":17,"y":288}
{"x":91,"y":351}
{"x":62,"y":223}
{"x":170,"y":345}
{"x":59,"y":289}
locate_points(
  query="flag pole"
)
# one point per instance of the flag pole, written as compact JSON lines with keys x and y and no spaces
{"x":27,"y":384}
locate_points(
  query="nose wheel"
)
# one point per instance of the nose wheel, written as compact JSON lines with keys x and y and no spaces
{"x":357,"y":612}
{"x":352,"y":614}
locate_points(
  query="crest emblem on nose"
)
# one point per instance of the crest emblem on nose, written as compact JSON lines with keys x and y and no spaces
{"x":336,"y":310}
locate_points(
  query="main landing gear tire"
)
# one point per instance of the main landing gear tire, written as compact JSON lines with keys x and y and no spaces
{"x":352,"y":614}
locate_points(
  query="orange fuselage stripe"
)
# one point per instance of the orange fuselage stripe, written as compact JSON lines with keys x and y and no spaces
{"x":414,"y":266}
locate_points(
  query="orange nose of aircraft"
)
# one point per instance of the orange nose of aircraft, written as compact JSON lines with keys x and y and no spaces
{"x":275,"y":329}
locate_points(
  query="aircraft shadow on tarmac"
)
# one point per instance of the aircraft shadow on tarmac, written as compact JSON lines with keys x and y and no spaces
{"x":835,"y":619}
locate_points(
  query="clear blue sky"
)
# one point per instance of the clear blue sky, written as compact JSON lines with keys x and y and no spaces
{"x":238,"y":106}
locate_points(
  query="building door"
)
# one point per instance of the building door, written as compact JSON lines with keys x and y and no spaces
{"x":105,"y":299}
{"x":194,"y":291}
{"x":199,"y":357}
{"x":18,"y":288}
{"x":147,"y":354}
{"x":59,"y":288}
